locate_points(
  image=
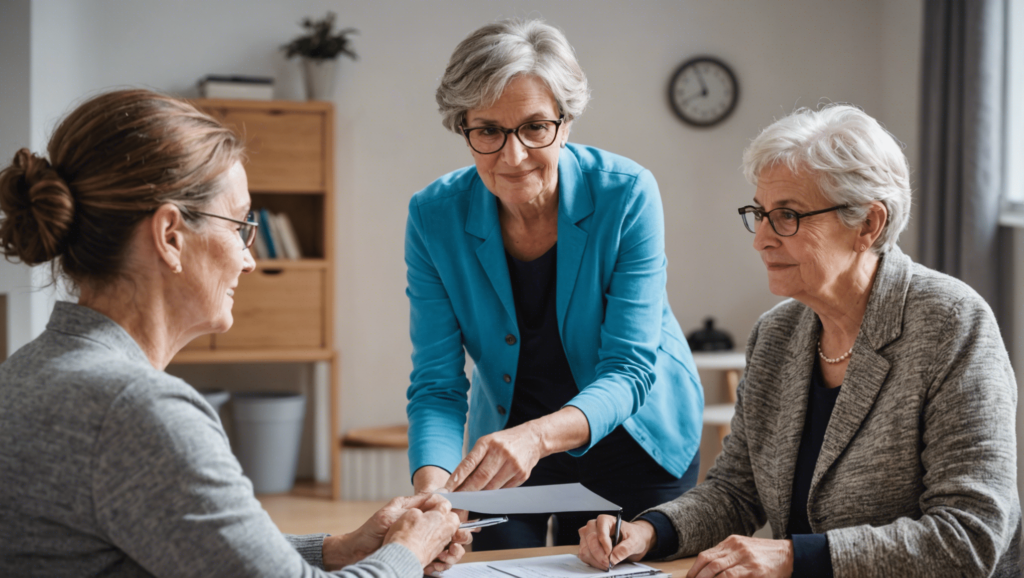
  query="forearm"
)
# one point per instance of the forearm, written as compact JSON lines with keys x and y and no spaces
{"x":429,"y":478}
{"x":561,"y":431}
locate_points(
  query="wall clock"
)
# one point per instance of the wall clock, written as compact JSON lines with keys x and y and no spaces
{"x":703,"y":91}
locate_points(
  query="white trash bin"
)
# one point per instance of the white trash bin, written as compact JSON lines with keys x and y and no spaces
{"x":268,"y":431}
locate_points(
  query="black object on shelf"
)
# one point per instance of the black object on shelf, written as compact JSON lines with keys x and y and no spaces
{"x":709,"y":338}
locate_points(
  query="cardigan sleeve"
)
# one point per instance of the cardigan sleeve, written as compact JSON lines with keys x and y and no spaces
{"x":727,"y":502}
{"x":968,"y":502}
{"x":631,"y":330}
{"x":438,"y":390}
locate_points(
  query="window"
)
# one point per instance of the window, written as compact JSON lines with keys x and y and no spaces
{"x":1013,"y":195}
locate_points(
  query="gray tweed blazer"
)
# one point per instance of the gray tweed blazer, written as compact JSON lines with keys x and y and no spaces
{"x":917,"y":473}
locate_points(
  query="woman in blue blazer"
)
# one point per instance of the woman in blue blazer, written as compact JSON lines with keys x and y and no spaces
{"x":544,"y":261}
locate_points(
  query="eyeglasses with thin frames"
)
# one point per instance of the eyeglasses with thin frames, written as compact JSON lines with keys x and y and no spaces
{"x":534,"y":134}
{"x":785,"y":222}
{"x":247,"y":230}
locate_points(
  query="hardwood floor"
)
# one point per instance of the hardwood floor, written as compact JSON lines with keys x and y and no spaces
{"x":304,"y":515}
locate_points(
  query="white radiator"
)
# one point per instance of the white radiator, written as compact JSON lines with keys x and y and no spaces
{"x":374,"y":474}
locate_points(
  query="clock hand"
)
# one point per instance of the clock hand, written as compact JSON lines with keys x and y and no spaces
{"x":697,"y":95}
{"x":700,"y":77}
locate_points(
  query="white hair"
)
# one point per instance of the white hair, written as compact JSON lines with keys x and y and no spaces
{"x":488,"y":59}
{"x":852,"y":158}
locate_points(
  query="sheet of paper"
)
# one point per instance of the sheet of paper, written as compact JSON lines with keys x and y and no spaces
{"x":532,"y":500}
{"x":559,"y":566}
{"x":567,"y":566}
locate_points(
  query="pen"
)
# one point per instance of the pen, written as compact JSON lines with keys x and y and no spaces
{"x":483,"y":523}
{"x":615,"y":541}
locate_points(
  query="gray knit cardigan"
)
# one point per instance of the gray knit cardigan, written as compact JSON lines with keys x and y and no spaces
{"x":109,"y":467}
{"x":917,"y":472}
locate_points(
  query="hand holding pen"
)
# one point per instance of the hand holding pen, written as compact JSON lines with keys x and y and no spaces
{"x":600,"y":548}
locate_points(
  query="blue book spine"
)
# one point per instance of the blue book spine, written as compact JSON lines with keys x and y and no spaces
{"x":268,"y":236}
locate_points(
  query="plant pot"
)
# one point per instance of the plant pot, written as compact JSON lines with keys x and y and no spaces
{"x":319,"y":75}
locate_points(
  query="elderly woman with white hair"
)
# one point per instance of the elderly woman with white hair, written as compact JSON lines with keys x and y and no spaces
{"x":545,"y":261}
{"x":874,"y":429}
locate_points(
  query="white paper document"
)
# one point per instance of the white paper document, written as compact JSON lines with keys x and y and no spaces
{"x":559,"y":566}
{"x":532,"y":500}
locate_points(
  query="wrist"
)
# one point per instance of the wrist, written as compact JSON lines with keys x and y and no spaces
{"x":338,"y":552}
{"x":648,"y":536}
{"x":429,"y":478}
{"x":564,"y":430}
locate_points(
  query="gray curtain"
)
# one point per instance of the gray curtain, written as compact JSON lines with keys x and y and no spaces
{"x":961,"y":164}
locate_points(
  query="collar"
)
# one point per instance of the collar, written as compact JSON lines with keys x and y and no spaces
{"x":575,"y":199}
{"x":77,"y":320}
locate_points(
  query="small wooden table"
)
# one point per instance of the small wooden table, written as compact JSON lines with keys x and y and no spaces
{"x":675,"y":568}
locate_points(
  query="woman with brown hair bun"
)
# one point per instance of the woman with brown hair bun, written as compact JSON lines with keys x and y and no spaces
{"x":108,"y":465}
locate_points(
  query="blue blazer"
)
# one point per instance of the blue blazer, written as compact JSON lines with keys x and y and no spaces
{"x":624,"y":345}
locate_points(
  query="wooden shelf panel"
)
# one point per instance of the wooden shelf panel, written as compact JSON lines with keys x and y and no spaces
{"x":283,"y":105}
{"x":274,"y":264}
{"x":253,"y":356}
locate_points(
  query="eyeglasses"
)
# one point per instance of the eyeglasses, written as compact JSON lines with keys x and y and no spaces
{"x":785,"y":222}
{"x":247,"y":230}
{"x":535,"y":134}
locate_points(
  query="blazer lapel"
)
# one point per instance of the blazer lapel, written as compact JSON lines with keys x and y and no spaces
{"x":794,"y":384}
{"x":883,"y":322}
{"x":575,"y":202}
{"x":482,"y":222}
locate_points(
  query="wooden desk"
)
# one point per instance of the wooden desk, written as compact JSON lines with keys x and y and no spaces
{"x":675,"y":568}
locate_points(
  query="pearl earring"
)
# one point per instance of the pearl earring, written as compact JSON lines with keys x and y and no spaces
{"x":177,"y":269}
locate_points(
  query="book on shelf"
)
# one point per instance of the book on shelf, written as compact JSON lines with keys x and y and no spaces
{"x":236,"y":86}
{"x":276,"y":238}
{"x":288,"y":241}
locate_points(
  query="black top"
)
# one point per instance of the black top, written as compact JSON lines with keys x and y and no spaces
{"x":810,"y":551}
{"x":544,"y":382}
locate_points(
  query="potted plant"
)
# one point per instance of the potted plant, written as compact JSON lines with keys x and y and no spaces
{"x":319,"y":49}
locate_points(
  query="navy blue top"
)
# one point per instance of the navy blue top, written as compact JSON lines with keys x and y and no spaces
{"x":544,"y":381}
{"x":810,"y":551}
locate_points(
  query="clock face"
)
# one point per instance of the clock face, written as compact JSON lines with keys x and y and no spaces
{"x":703,"y":91}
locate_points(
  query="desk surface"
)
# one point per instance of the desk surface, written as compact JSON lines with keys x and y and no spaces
{"x":676,"y":568}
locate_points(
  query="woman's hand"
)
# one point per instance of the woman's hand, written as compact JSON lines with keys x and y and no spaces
{"x":505,"y":459}
{"x":744,"y":556}
{"x":427,"y":533}
{"x":340,"y":551}
{"x":502,"y":459}
{"x":453,"y":553}
{"x":635,"y":540}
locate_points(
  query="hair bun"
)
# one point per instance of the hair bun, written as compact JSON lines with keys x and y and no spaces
{"x":38,"y":209}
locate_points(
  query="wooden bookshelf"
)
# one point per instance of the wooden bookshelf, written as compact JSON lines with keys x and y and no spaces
{"x":284,"y":310}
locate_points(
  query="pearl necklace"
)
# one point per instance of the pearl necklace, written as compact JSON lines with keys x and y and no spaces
{"x":836,"y":360}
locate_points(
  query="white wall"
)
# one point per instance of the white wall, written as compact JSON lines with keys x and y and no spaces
{"x":28,"y":306}
{"x":390,"y":142}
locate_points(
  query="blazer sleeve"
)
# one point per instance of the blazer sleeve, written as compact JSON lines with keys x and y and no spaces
{"x":438,"y":390}
{"x":727,"y":502}
{"x":969,"y":452}
{"x":631,"y":330}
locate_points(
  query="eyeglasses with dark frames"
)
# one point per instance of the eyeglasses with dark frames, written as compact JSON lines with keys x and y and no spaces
{"x":785,"y":222}
{"x":246,"y":230}
{"x":534,"y":134}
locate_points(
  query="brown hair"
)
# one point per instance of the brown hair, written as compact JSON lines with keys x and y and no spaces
{"x":112,"y":162}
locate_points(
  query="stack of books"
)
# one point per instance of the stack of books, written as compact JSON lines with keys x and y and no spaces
{"x":276,"y":237}
{"x":234,"y":86}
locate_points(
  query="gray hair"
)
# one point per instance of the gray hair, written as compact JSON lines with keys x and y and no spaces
{"x":489,"y":58}
{"x":852,"y":158}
